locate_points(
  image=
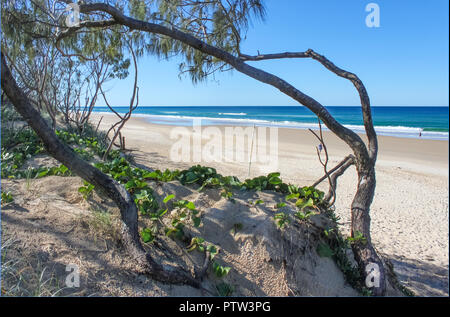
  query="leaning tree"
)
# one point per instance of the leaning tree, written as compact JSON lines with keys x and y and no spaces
{"x":208,"y":34}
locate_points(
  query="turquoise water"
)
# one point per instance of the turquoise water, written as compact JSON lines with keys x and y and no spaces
{"x":431,"y":122}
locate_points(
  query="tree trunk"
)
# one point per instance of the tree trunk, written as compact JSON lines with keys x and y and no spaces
{"x":365,"y":157}
{"x":347,"y":135}
{"x":115,"y":191}
{"x":365,"y":254}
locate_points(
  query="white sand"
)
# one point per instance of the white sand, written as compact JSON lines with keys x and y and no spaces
{"x":409,"y":212}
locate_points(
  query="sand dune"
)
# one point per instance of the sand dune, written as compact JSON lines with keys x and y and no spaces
{"x":410,"y":210}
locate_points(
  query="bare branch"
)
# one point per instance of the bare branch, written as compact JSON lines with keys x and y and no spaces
{"x":365,"y":101}
{"x":324,"y":163}
{"x":349,"y":161}
{"x":331,"y":171}
{"x":115,"y":191}
{"x":134,"y":102}
{"x":262,"y":57}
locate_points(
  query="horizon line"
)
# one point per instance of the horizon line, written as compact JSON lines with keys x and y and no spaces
{"x":436,"y":106}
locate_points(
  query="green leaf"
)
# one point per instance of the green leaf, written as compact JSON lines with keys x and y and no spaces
{"x":197,"y":221}
{"x":224,"y":289}
{"x":225,"y":270}
{"x":182,"y":216}
{"x":147,"y":236}
{"x":237,"y":227}
{"x":190,"y":205}
{"x":191,"y":177}
{"x":130,"y":184}
{"x":280,"y":205}
{"x":168,"y":198}
{"x":219,"y":270}
{"x":7,"y":198}
{"x":274,"y":178}
{"x":191,"y":247}
{"x":199,"y":240}
{"x":162,"y":212}
{"x":212,"y":251}
{"x":42,"y":174}
{"x":171,"y":231}
{"x":154,"y":217}
{"x":180,"y":203}
{"x":152,"y":175}
{"x":304,"y":216}
{"x":196,"y":243}
{"x":358,"y":237}
{"x":175,"y":222}
{"x":309,"y":203}
{"x":141,"y":195}
{"x":324,"y":250}
{"x":292,"y":196}
{"x":63,"y":169}
{"x":282,"y":219}
{"x":140,"y":184}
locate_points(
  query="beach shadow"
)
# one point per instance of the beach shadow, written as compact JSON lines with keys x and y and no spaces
{"x":16,"y":207}
{"x":142,"y":166}
{"x":101,"y":270}
{"x":423,"y":278}
{"x":139,"y":155}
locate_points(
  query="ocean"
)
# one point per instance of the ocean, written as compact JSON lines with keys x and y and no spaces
{"x":406,"y":122}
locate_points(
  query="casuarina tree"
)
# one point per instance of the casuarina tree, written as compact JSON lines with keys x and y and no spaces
{"x":208,"y":35}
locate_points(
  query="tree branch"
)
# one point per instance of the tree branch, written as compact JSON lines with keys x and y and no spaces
{"x":115,"y":191}
{"x":331,"y":171}
{"x":350,"y":137}
{"x":365,"y":101}
{"x":364,"y":158}
{"x":261,"y":57}
{"x":349,"y":161}
{"x":72,"y":30}
{"x":325,"y":163}
{"x":364,"y":97}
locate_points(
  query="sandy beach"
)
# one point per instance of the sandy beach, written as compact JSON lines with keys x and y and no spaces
{"x":409,"y":212}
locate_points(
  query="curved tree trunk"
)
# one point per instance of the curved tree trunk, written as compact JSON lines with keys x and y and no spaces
{"x":115,"y":191}
{"x":365,"y":157}
{"x":365,"y":253}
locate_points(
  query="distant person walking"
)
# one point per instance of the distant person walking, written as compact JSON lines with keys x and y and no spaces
{"x":420,"y":133}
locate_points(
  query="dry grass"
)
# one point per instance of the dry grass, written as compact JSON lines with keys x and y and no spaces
{"x":102,"y":224}
{"x":20,"y":277}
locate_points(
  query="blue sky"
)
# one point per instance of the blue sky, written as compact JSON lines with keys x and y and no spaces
{"x":404,"y":62}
